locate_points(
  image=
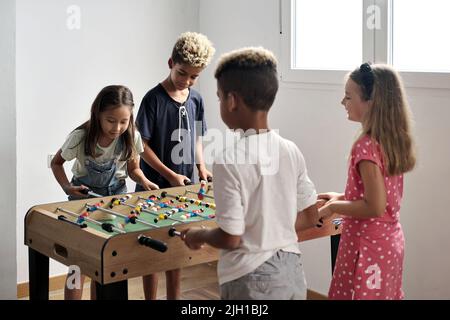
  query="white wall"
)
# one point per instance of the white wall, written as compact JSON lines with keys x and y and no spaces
{"x":311,"y":116}
{"x":8,"y":190}
{"x":60,"y":71}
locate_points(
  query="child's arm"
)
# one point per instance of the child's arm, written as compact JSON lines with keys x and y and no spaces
{"x":61,"y":177}
{"x":330,"y":196}
{"x":203,"y":173}
{"x":152,"y":159}
{"x":308,"y":218}
{"x":229,"y":205}
{"x":136,"y":174}
{"x":373,"y":203}
{"x":194,"y":238}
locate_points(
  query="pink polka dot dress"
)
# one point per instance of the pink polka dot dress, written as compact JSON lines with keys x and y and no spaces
{"x":369,"y":263}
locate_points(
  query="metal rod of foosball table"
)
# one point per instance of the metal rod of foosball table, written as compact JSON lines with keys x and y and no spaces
{"x":151,"y":212}
{"x":181,"y":209}
{"x":91,"y":193}
{"x":90,"y":220}
{"x":121,"y":215}
{"x":165,"y":194}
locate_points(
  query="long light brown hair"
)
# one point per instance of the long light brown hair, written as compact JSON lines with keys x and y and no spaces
{"x":388,"y":120}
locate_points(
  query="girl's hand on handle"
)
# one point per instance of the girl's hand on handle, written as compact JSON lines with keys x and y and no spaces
{"x":325,"y":211}
{"x":76,"y":191}
{"x":320,"y":202}
{"x":148,"y":185}
{"x":324,"y":201}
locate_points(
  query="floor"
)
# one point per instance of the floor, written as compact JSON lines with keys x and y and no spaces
{"x":197,"y":283}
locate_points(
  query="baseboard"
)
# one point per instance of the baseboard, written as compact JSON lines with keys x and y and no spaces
{"x":54,"y":283}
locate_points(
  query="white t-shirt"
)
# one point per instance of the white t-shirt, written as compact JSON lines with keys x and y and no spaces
{"x":258,"y":199}
{"x":73,"y":148}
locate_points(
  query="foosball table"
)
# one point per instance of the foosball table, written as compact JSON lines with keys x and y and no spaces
{"x":112,"y":239}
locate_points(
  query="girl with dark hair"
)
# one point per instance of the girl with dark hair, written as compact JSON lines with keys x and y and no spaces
{"x":106,"y":150}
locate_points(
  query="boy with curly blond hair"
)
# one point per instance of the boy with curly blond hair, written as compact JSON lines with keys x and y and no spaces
{"x":171,"y":121}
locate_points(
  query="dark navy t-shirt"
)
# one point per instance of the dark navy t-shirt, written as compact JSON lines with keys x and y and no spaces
{"x":171,"y":129}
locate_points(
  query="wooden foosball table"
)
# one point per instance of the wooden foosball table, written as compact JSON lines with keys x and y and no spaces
{"x":112,"y":239}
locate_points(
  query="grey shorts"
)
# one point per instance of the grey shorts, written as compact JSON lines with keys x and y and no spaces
{"x":279,"y":278}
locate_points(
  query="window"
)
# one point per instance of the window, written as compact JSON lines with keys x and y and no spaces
{"x":420,"y":32}
{"x":324,"y":39}
{"x":322,"y":27}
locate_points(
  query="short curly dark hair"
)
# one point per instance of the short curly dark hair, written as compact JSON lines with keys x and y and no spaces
{"x":251,"y":73}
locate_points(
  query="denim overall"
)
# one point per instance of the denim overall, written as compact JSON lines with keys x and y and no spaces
{"x":101,"y":177}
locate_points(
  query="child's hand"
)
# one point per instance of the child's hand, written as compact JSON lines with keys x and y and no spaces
{"x":204,"y":174}
{"x":178,"y":180}
{"x":330,"y":196}
{"x":192,"y":237}
{"x":148,"y":185}
{"x":320,"y":202}
{"x":325,"y":211}
{"x":76,"y":191}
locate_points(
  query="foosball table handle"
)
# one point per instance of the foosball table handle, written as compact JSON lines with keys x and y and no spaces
{"x":152,"y":243}
{"x":173,"y":232}
{"x":80,"y":225}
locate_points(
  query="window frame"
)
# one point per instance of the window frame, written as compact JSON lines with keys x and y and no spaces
{"x":377,"y":47}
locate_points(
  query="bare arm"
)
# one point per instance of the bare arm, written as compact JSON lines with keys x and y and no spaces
{"x":308,"y":218}
{"x":331,"y":196}
{"x":203,"y":173}
{"x":196,"y":237}
{"x":373,"y":203}
{"x":60,"y":175}
{"x":152,"y":159}
{"x":138,"y":176}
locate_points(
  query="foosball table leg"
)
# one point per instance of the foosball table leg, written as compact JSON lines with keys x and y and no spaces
{"x":334,"y":249}
{"x":38,"y":265}
{"x":113,"y":291}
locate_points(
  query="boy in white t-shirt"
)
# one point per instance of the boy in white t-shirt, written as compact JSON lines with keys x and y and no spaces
{"x":262,"y":191}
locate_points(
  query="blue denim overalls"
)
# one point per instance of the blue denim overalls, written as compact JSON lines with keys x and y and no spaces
{"x":101,"y":177}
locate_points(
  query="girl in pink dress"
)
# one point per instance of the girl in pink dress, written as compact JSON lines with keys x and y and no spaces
{"x":369,"y":264}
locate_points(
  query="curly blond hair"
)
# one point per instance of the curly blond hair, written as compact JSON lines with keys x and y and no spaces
{"x":250,"y":72}
{"x":194,"y":49}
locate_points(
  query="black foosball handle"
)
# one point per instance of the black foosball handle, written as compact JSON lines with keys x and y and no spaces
{"x":187,"y":182}
{"x":152,"y":243}
{"x":109,"y":227}
{"x":173,"y":232}
{"x":209,"y":179}
{"x":80,"y":225}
